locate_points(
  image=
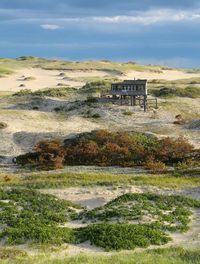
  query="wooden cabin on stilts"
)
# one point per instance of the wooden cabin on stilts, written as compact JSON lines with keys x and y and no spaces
{"x":134,"y":90}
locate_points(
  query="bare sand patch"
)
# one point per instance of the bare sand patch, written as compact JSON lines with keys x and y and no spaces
{"x":50,"y":78}
{"x":42,"y":79}
{"x":168,"y":75}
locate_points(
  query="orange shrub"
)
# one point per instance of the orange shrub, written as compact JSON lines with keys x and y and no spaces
{"x":174,"y":150}
{"x":155,"y":166}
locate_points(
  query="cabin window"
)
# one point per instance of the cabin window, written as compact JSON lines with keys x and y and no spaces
{"x":140,"y":88}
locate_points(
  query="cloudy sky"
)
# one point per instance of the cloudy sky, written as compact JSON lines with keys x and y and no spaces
{"x":148,"y":31}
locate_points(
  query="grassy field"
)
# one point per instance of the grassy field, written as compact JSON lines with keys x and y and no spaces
{"x":62,"y":180}
{"x":159,"y":256}
{"x":114,"y":67}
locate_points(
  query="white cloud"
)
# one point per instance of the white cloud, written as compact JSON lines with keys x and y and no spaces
{"x":50,"y":26}
{"x":145,"y":18}
{"x":152,"y":17}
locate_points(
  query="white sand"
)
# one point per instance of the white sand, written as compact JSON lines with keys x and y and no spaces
{"x":50,"y":78}
{"x":43,"y":79}
{"x":168,"y":75}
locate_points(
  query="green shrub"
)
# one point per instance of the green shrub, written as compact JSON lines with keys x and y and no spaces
{"x":92,"y":100}
{"x":192,"y":92}
{"x":128,"y":113}
{"x":160,"y":211}
{"x":97,"y":115}
{"x":121,"y":236}
{"x":32,"y":216}
{"x":29,"y":216}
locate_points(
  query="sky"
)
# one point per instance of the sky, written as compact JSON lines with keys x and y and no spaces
{"x":163,"y":32}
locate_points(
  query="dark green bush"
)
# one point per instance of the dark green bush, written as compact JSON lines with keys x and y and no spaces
{"x":32,"y":216}
{"x":91,"y":100}
{"x":121,"y":236}
{"x":165,"y":212}
{"x":97,"y":115}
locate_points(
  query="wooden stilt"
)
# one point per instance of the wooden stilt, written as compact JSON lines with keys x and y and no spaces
{"x":134,"y":100}
{"x":145,"y":103}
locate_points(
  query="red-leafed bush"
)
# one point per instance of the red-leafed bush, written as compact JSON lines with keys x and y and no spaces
{"x":84,"y":152}
{"x":174,"y":150}
{"x":104,"y":148}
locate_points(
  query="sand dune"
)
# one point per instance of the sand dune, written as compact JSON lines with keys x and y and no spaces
{"x":168,"y":75}
{"x":50,"y":78}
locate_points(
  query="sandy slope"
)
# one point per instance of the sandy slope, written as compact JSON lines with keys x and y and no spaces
{"x":169,"y":75}
{"x":26,"y":128}
{"x":44,"y":79}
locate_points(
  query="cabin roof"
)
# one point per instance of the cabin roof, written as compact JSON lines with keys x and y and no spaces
{"x":138,"y":81}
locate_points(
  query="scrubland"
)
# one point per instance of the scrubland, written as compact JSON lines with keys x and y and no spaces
{"x":97,"y":182}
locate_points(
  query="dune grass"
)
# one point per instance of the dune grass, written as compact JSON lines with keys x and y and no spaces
{"x":110,"y":67}
{"x":5,"y":71}
{"x":189,"y":91}
{"x":69,"y":179}
{"x":155,"y":256}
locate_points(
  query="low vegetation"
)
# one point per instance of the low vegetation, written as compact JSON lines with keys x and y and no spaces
{"x":88,"y":90}
{"x":128,"y":113}
{"x":40,"y":180}
{"x":28,"y":216}
{"x":3,"y":125}
{"x":52,"y":92}
{"x":161,"y":212}
{"x":168,"y":255}
{"x":121,"y":236}
{"x":29,"y":78}
{"x":10,"y":253}
{"x":103,"y":148}
{"x":4,"y":72}
{"x":96,"y":87}
{"x":192,"y":92}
